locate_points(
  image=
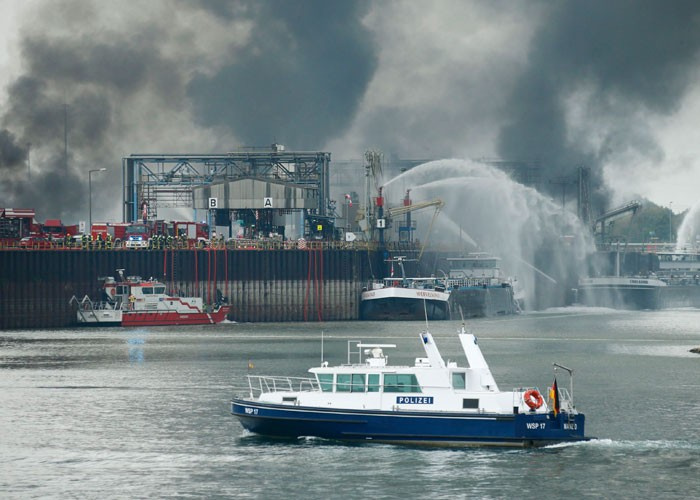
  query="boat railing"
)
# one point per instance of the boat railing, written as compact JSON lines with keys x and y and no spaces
{"x":87,"y":304}
{"x":417,"y":283}
{"x":453,"y":283}
{"x":566,"y":402}
{"x":258,"y":384}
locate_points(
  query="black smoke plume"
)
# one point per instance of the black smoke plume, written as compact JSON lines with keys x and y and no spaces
{"x":628,"y":59}
{"x":300,"y":79}
{"x":115,"y":81}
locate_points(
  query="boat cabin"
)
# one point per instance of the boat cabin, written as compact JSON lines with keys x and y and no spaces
{"x":375,"y":384}
{"x":475,"y":265}
{"x":679,"y":261}
{"x":138,"y":294}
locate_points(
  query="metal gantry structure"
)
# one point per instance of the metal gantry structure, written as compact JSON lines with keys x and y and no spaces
{"x":169,"y":180}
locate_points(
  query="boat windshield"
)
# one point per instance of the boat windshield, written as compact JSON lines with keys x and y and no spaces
{"x":355,"y":382}
{"x":401,"y":382}
{"x":350,"y":382}
{"x":325,"y":380}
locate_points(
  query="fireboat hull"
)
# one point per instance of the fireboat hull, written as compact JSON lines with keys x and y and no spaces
{"x":151,"y":318}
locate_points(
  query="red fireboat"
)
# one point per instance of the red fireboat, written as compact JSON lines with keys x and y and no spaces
{"x":133,"y":301}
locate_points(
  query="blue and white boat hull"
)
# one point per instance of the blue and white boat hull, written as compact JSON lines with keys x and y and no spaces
{"x":410,"y":427}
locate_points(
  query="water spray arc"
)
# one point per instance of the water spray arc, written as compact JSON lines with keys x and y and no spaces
{"x":538,"y":243}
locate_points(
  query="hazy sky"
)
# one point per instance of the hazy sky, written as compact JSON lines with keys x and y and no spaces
{"x":610,"y":85}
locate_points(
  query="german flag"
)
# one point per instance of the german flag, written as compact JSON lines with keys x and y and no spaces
{"x":554,"y":397}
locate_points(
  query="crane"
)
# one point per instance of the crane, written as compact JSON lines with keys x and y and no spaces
{"x":408,"y":208}
{"x":404,"y":209}
{"x":613,"y":214}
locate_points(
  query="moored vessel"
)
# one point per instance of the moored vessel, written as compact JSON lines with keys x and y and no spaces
{"x":402,"y":298}
{"x":134,"y":301}
{"x":680,"y":270}
{"x":621,"y":292}
{"x":675,"y":282}
{"x":477,"y":288}
{"x":432,"y":402}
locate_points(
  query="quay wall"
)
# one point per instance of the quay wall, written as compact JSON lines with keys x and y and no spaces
{"x":261,"y":285}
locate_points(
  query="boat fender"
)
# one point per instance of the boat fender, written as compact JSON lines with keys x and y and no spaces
{"x":533,"y":399}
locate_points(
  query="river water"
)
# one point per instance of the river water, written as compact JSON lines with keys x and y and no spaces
{"x":124,"y":413}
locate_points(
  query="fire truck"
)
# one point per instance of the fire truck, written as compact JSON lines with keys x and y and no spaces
{"x":115,"y":230}
{"x":18,"y":226}
{"x":137,"y":235}
{"x":140,"y":235}
{"x":56,"y":231}
{"x":15,"y":224}
{"x":197,"y":232}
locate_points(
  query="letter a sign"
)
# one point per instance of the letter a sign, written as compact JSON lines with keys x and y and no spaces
{"x":267,"y":203}
{"x":213,"y":203}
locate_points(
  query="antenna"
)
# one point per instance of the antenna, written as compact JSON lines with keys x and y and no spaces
{"x":322,"y":347}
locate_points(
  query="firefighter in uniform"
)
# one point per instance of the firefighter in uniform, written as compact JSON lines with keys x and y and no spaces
{"x":109,"y":241}
{"x":83,"y":241}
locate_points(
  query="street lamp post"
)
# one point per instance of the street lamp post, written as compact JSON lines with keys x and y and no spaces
{"x":90,"y":194}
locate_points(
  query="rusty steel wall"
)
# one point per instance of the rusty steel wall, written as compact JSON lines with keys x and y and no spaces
{"x":261,"y":285}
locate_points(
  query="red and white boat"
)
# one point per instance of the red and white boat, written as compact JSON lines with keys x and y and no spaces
{"x":133,"y":301}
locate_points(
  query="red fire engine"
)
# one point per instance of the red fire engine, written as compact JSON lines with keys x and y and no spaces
{"x":56,"y":231}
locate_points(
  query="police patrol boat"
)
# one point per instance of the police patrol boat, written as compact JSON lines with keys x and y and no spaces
{"x":433,"y":402}
{"x":133,"y":301}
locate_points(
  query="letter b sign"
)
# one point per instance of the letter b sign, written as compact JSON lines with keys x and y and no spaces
{"x":213,"y":203}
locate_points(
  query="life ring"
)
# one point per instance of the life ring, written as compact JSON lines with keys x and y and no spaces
{"x":533,"y":399}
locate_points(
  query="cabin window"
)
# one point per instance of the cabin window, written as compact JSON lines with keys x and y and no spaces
{"x":343,"y":382}
{"x":459,"y":380}
{"x":159,"y":290}
{"x":470,"y":404}
{"x":325,"y":380}
{"x":373,"y":382}
{"x":147,"y":290}
{"x":358,"y":382}
{"x":350,"y":382}
{"x":401,"y":382}
{"x":122,"y":290}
